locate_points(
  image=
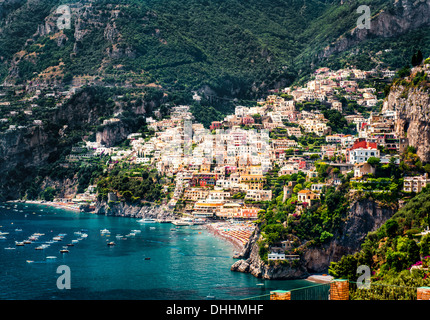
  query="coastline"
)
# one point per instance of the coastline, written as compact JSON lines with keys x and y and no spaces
{"x":320,"y":278}
{"x":237,"y":234}
{"x":60,"y":205}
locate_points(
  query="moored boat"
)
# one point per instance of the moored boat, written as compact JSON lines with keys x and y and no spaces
{"x":146,"y":220}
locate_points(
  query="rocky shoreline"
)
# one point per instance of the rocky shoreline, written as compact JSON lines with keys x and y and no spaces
{"x":122,"y":209}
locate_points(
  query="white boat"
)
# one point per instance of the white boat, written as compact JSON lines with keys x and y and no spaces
{"x":57,"y":238}
{"x":9,"y":248}
{"x":75,"y":241}
{"x":183,"y":222}
{"x":19,"y":244}
{"x":199,"y":221}
{"x":146,"y":220}
{"x":2,"y":238}
{"x":104,"y":231}
{"x":51,"y":257}
{"x":136,"y":231}
{"x":4,"y":233}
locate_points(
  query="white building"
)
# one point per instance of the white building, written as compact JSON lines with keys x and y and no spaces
{"x":360,"y":155}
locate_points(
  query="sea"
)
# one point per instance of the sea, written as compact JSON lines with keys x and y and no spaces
{"x":158,"y":262}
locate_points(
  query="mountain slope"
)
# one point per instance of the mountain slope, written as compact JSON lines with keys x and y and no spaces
{"x":233,"y":47}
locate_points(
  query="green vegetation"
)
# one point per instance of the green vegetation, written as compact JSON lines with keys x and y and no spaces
{"x":315,"y":224}
{"x":236,"y":49}
{"x":132,"y":184}
{"x":393,"y":249}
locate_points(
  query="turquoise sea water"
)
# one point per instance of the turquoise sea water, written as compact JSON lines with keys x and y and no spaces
{"x":186,"y":263}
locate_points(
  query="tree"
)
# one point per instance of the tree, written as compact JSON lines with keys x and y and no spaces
{"x":425,"y":246}
{"x":413,"y":252}
{"x":373,"y":161}
{"x":297,"y":188}
{"x":419,"y":57}
{"x":391,"y":227}
{"x":414,"y":60}
{"x":48,"y":194}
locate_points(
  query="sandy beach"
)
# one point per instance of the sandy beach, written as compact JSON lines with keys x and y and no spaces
{"x":318,"y":278}
{"x":237,"y":233}
{"x":62,"y":205}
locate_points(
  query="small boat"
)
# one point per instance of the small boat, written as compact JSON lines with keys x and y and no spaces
{"x":111,"y":243}
{"x":27,"y":241}
{"x":51,"y":257}
{"x":151,"y":228}
{"x":57,"y":238}
{"x":210,"y":297}
{"x":183,"y":222}
{"x":75,"y":241}
{"x":9,"y":248}
{"x":146,"y":220}
{"x":19,"y":244}
{"x":138,"y":231}
{"x":2,"y":238}
{"x":104,"y":231}
{"x":147,"y":258}
{"x":18,"y":230}
{"x":70,"y":244}
{"x":4,"y":233}
{"x":64,"y":251}
{"x":30,"y":261}
{"x":199,"y":221}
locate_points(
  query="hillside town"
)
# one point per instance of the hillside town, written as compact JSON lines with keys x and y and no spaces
{"x":222,"y":172}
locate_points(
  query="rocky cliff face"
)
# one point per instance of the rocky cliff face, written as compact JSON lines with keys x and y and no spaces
{"x":122,"y":209}
{"x":26,"y":146}
{"x":412,"y":105}
{"x":365,"y":216}
{"x":402,"y":17}
{"x":113,"y":133}
{"x":251,"y":263}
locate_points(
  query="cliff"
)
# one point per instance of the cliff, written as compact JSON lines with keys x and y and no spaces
{"x":25,"y":146}
{"x":113,"y":133}
{"x":399,"y":18}
{"x":411,"y":102}
{"x":122,"y":209}
{"x":364,"y":216}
